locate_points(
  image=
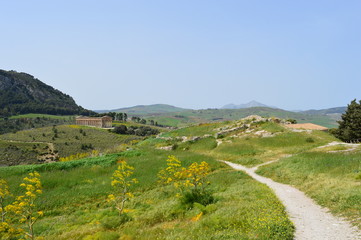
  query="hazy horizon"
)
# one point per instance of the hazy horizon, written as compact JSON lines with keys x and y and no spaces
{"x":189,"y":54}
{"x":220,"y":107}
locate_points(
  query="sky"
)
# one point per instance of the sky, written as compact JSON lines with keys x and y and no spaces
{"x":191,"y":53}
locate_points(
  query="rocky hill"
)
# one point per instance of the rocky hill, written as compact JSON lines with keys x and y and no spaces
{"x":22,"y":93}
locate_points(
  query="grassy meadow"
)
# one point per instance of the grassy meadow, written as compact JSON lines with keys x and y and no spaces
{"x":332,"y":179}
{"x":74,"y":198}
{"x":75,"y":192}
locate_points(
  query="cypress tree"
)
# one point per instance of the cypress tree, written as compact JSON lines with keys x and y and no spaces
{"x":349,"y":129}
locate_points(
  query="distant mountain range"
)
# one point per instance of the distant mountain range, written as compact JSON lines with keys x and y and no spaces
{"x":147,"y":109}
{"x":162,"y":109}
{"x":175,"y":116}
{"x":21,"y":93}
{"x":246,"y":105}
{"x":336,"y":110}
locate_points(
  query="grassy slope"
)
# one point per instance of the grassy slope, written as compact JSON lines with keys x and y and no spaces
{"x":69,"y":139}
{"x":75,"y":206}
{"x":198,"y":116}
{"x":250,"y":150}
{"x":332,"y":179}
{"x":20,"y":153}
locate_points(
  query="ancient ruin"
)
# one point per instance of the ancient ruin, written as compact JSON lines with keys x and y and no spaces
{"x":101,"y":122}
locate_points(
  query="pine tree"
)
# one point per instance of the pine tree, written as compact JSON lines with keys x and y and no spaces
{"x":349,"y":129}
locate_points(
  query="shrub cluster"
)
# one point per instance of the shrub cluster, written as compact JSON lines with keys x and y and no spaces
{"x":134,"y":130}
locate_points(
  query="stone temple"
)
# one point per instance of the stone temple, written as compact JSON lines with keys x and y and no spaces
{"x":101,"y":122}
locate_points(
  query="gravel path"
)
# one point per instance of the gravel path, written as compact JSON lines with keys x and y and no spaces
{"x":312,"y":222}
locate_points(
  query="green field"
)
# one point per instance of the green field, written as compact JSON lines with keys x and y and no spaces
{"x":75,"y":192}
{"x":75,"y":206}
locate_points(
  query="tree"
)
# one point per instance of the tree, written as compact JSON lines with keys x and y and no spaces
{"x":125,"y":117}
{"x":121,"y":129}
{"x":349,"y":129}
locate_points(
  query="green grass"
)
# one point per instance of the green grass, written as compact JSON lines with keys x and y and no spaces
{"x":75,"y":204}
{"x":196,"y":130}
{"x":332,"y":179}
{"x":75,"y":192}
{"x":253,"y":150}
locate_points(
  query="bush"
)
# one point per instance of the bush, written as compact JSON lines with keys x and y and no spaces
{"x":134,"y":130}
{"x":195,"y":196}
{"x":310,"y":140}
{"x":122,"y":129}
{"x":292,"y":121}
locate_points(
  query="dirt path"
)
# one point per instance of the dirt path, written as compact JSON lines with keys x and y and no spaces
{"x":312,"y":222}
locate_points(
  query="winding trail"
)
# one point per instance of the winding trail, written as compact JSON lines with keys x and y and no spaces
{"x":312,"y":222}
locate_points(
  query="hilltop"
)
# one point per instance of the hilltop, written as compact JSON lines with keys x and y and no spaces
{"x":245,"y":105}
{"x":22,"y":93}
{"x":146,"y":109}
{"x":328,"y":111}
{"x":214,"y":115}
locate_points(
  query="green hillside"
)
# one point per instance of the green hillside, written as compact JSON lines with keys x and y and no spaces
{"x":147,"y":109}
{"x":212,"y":115}
{"x":75,"y":192}
{"x":21,"y":93}
{"x":336,"y":110}
{"x":26,"y":147}
{"x":30,"y":121}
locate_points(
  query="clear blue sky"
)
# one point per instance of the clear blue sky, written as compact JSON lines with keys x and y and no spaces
{"x":193,"y":54}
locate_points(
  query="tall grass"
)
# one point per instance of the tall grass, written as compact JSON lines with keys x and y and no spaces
{"x":332,"y":179}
